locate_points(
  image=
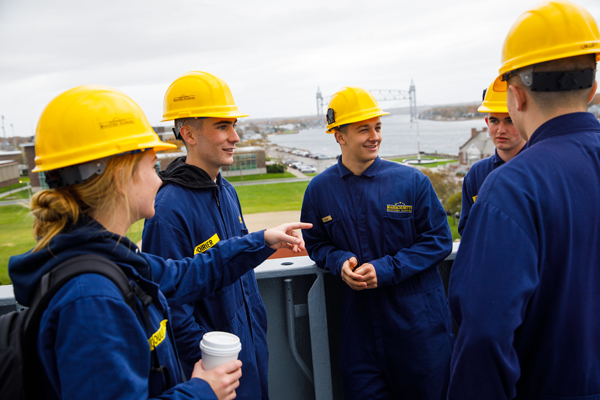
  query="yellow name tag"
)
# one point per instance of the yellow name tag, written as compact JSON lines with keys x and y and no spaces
{"x":474,"y":198}
{"x":327,"y":218}
{"x":158,"y":336}
{"x":202,"y":247}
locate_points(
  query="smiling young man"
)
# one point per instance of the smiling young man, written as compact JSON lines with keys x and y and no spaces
{"x":380,"y":227}
{"x":508,"y":144}
{"x":195,"y":209}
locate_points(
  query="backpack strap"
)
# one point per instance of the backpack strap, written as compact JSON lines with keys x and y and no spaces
{"x":58,"y":276}
{"x":49,"y":285}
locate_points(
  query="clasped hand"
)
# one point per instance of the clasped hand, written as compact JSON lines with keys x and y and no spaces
{"x":363,"y":277}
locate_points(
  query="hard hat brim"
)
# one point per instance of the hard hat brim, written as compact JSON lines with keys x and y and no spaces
{"x":493,"y":109}
{"x":192,"y":114}
{"x":362,"y":117}
{"x":77,"y":157}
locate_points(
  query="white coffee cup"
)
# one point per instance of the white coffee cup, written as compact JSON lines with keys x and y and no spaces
{"x":219,"y":348}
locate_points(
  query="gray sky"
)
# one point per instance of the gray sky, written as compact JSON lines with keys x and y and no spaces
{"x":273,"y":54}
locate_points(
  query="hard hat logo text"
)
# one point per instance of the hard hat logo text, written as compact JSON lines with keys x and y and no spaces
{"x":184,"y":97}
{"x":117,"y":122}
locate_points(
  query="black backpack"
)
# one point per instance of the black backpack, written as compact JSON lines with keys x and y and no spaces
{"x":20,"y":369}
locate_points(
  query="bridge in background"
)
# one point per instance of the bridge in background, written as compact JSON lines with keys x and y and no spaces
{"x":380,"y":95}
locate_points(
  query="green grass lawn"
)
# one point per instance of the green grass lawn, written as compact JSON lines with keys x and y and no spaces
{"x":312,"y":174}
{"x":16,"y":236}
{"x":14,"y":186}
{"x":22,"y":195}
{"x":453,"y":228}
{"x":273,"y":197}
{"x":259,"y":177}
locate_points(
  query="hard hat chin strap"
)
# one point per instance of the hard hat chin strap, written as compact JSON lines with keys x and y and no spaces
{"x":75,"y":174}
{"x":554,"y":81}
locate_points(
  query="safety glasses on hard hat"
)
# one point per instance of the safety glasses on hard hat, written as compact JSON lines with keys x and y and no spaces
{"x":526,"y":74}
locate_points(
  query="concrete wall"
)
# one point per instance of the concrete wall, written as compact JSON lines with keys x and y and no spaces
{"x":9,"y":173}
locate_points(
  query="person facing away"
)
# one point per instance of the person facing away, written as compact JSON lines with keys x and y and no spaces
{"x":379,"y":226}
{"x":524,"y":285}
{"x":506,"y":139}
{"x":195,"y":209}
{"x":96,"y":148}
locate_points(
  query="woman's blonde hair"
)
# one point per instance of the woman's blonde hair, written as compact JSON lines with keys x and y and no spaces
{"x":57,"y":209}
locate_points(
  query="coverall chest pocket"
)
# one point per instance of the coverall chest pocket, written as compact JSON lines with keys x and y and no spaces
{"x":335,"y":231}
{"x":398,"y":230}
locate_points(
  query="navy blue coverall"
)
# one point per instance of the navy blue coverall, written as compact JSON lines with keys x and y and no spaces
{"x":473,"y":181}
{"x":525,"y":285}
{"x":193,"y":213}
{"x":397,"y":339}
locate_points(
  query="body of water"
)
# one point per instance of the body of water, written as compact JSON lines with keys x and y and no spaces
{"x":399,"y":137}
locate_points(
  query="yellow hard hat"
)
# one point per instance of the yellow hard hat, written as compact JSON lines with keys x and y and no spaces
{"x":549,"y":31}
{"x":351,"y":104}
{"x":199,"y":94}
{"x":88,"y":123}
{"x":493,"y":102}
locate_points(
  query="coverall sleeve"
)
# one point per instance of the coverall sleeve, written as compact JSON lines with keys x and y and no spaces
{"x":93,"y":363}
{"x":165,"y":240}
{"x":433,"y":241}
{"x":493,"y":277}
{"x":190,"y":279}
{"x":465,"y":208}
{"x":319,"y":246}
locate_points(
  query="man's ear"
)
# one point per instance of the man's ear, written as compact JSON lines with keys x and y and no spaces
{"x":520,"y":96}
{"x":593,"y":92}
{"x":487,"y":121}
{"x":187,"y":135}
{"x":340,"y":137}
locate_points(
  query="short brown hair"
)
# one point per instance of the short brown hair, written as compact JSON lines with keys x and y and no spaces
{"x":548,"y":101}
{"x":195,"y":123}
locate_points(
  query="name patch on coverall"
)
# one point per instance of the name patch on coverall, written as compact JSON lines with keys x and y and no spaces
{"x":399,"y":207}
{"x":202,"y":247}
{"x":158,"y":336}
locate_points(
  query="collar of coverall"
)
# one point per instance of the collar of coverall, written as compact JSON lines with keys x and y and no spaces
{"x":565,"y":125}
{"x":369,"y":172}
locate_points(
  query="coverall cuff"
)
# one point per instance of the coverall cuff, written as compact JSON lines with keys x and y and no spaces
{"x":202,"y":389}
{"x":266,"y":251}
{"x":343,"y":258}
{"x":385,"y":276}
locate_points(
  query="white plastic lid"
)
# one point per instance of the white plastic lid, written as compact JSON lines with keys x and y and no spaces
{"x":220,"y":343}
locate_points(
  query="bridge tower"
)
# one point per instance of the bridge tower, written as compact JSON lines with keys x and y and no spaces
{"x":319,"y":102}
{"x":412,"y":94}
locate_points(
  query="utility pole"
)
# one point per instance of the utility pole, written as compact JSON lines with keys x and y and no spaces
{"x":4,"y":132}
{"x":14,"y":137}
